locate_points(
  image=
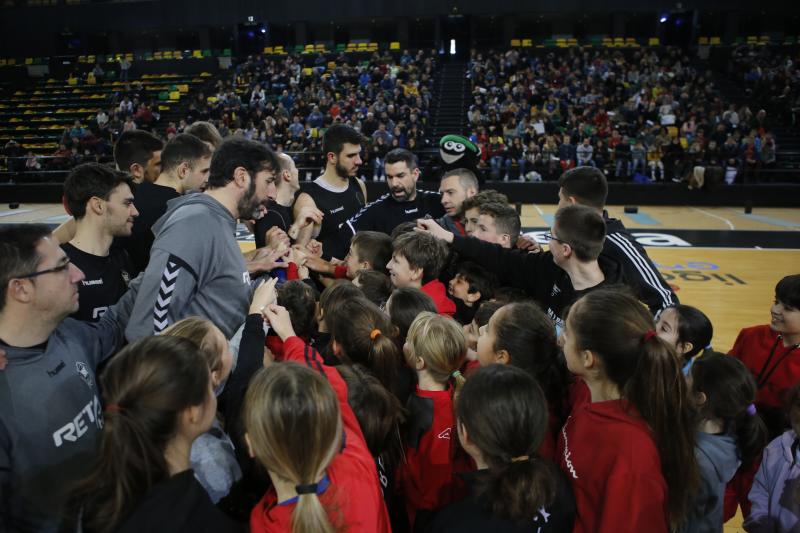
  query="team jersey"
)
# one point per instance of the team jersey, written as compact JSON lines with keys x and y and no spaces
{"x":106,"y":280}
{"x":337,"y":205}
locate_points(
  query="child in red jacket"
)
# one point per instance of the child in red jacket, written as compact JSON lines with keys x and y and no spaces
{"x":521,"y":335}
{"x":628,"y":446}
{"x":417,"y":260}
{"x":435,"y":348}
{"x":302,"y":429}
{"x":772,"y":354}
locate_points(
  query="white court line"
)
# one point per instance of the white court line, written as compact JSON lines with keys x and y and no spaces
{"x":12,"y":212}
{"x":538,"y":209}
{"x":712,"y":215}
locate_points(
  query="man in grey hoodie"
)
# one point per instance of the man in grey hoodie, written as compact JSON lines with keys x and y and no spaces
{"x":196,"y":266}
{"x":50,"y":413}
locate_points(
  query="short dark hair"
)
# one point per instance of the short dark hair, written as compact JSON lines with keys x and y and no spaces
{"x":402,"y":155}
{"x":18,"y":254}
{"x":406,"y":304}
{"x":506,"y":219}
{"x":424,"y":251}
{"x":478,"y":278}
{"x":135,"y":147}
{"x":485,"y":311}
{"x":237,"y":152}
{"x":402,"y":228}
{"x":206,"y":132}
{"x":466,"y":177}
{"x":587,"y":185}
{"x":337,"y":136}
{"x":183,"y":147}
{"x":374,"y":247}
{"x":483,"y":197}
{"x":583,"y":229}
{"x":376,"y":286}
{"x":91,"y":180}
{"x":787,"y":291}
{"x":300,"y":300}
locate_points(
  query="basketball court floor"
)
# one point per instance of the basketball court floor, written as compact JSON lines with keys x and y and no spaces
{"x":719,"y":259}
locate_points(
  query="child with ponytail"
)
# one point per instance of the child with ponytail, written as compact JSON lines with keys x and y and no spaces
{"x":362,"y":334}
{"x":300,"y":427}
{"x":501,"y":417}
{"x":435,"y":349}
{"x":686,"y":328}
{"x":729,"y":433}
{"x":628,"y":446}
{"x":158,"y":399}
{"x":521,"y":335}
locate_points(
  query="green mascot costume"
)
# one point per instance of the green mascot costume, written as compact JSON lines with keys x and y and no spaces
{"x":457,"y":151}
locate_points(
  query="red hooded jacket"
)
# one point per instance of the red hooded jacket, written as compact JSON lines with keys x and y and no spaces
{"x":353,"y":495}
{"x":608,"y":453}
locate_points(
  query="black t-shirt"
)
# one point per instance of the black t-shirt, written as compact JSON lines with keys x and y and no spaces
{"x":277,"y":215}
{"x":151,"y":202}
{"x":337,"y":208}
{"x":473,"y":513}
{"x":106,"y":280}
{"x":384,"y":215}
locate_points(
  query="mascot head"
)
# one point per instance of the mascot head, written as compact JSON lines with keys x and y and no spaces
{"x":458,"y":151}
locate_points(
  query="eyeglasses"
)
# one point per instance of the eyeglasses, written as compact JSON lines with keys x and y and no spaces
{"x":551,"y":237}
{"x":60,"y":268}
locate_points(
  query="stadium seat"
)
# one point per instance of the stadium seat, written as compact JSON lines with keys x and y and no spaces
{"x":527,"y":43}
{"x":715,"y":41}
{"x":702,"y":41}
{"x":197,"y":54}
{"x":515,"y":43}
{"x":394,"y":45}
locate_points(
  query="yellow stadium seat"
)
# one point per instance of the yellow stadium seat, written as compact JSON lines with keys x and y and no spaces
{"x":174,"y":95}
{"x":394,"y":45}
{"x":715,"y":41}
{"x":653,"y":41}
{"x":29,"y":61}
{"x":702,"y":41}
{"x":515,"y":43}
{"x":267,"y":49}
{"x":308,"y":71}
{"x":527,"y":43}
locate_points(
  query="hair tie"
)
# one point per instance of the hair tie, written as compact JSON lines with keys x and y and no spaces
{"x":113,"y":408}
{"x":520,"y":458}
{"x":311,"y":488}
{"x":648,"y":335}
{"x":456,"y":374}
{"x":751,"y":409}
{"x":374,"y":334}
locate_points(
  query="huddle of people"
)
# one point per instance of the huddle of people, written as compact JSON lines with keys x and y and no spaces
{"x":411,"y":363}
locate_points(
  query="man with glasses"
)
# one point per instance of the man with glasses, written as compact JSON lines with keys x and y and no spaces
{"x":556,"y":278}
{"x":101,"y":201}
{"x":50,"y":413}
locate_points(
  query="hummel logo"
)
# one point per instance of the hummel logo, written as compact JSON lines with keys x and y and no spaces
{"x":56,"y":370}
{"x":445,"y":434}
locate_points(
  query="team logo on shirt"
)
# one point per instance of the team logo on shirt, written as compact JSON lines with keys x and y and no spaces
{"x":445,"y":434}
{"x":334,"y":211}
{"x":83,"y":371}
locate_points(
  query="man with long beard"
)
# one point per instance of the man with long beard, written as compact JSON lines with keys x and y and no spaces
{"x":196,"y":267}
{"x":338,"y":192}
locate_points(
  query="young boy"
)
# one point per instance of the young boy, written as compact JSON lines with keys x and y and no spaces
{"x":369,"y":250}
{"x":417,"y":260}
{"x":471,"y":286}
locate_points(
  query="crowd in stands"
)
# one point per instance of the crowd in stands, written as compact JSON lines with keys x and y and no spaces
{"x":285,"y":104}
{"x":446,"y":374}
{"x":644,"y":114}
{"x":771,"y":76}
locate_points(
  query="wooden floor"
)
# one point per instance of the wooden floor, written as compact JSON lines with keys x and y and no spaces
{"x":734,"y":285}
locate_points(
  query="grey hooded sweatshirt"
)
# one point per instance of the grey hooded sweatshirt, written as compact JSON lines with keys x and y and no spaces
{"x":196,"y":269}
{"x":51,"y":417}
{"x":717,"y":459}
